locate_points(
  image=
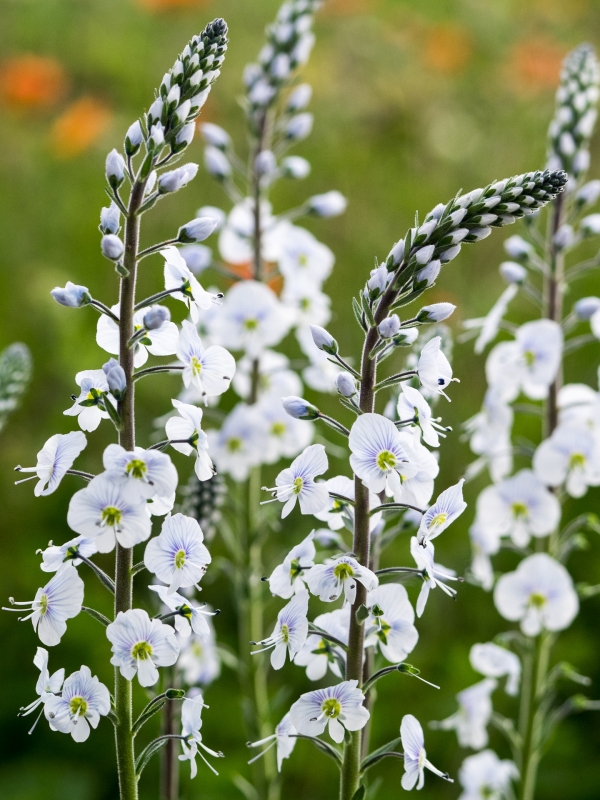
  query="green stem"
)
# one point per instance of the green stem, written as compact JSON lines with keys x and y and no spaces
{"x":124,"y":557}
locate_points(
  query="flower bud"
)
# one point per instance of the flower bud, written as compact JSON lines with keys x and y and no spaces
{"x":299,"y":127}
{"x":115,"y":169}
{"x":588,"y":194}
{"x":215,"y":135}
{"x":587,"y":307}
{"x":295,"y":167}
{"x":406,"y":337}
{"x":177,"y":178}
{"x":300,"y":97}
{"x":450,"y":253}
{"x":197,"y":230}
{"x":72,"y":296}
{"x":564,"y":237}
{"x":590,"y":225}
{"x":389,"y":326}
{"x":116,"y":378}
{"x":183,"y":112}
{"x":437,"y":312}
{"x":112,"y":247}
{"x":429,"y":273}
{"x":216,"y":163}
{"x":323,"y":339}
{"x":397,"y":252}
{"x":378,"y":281}
{"x":173,"y":96}
{"x":155,"y":112}
{"x":329,"y":204}
{"x":157,"y":137}
{"x":110,"y":219}
{"x":133,"y":138}
{"x":186,"y":135}
{"x":155,"y":317}
{"x":424,"y":254}
{"x":300,"y":409}
{"x":346,"y":385}
{"x":518,"y":248}
{"x":478,"y":234}
{"x":513,"y":272}
{"x":265,"y":163}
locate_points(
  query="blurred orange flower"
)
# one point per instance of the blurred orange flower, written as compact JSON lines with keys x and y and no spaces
{"x":448,"y":48}
{"x":246,"y":273}
{"x":79,"y":127}
{"x":169,"y":5}
{"x":536,"y":63}
{"x":31,"y":81}
{"x":340,"y":8}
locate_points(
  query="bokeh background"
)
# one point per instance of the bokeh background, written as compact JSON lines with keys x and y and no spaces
{"x":412,"y":102}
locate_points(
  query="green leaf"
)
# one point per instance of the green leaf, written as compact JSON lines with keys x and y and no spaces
{"x":358,"y":313}
{"x":359,"y":794}
{"x":362,"y":614}
{"x":324,"y":747}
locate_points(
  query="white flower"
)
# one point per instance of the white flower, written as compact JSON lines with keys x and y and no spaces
{"x":251,"y":319}
{"x":474,"y":713}
{"x":108,"y":511}
{"x":287,"y":578}
{"x":484,"y":543}
{"x":297,"y":482}
{"x":390,"y":625}
{"x":490,"y":324}
{"x":416,"y":487}
{"x":490,"y":436}
{"x":284,"y":436}
{"x":191,"y":723}
{"x":517,"y":247}
{"x":237,"y":445}
{"x":179,"y":276}
{"x":378,"y":455}
{"x":284,"y":739}
{"x":339,"y":513}
{"x":431,"y":573}
{"x":290,"y":632}
{"x":83,"y":701}
{"x":529,"y":363}
{"x":54,"y":460}
{"x":433,"y":368}
{"x":55,"y":555}
{"x":302,"y":258}
{"x":329,"y":204}
{"x":89,"y":406}
{"x":539,"y":593}
{"x":321,"y":374}
{"x":412,"y":405}
{"x":306,"y":302}
{"x":187,"y":437}
{"x":178,"y":556}
{"x":494,"y":662}
{"x":46,"y":686}
{"x":337,"y":707}
{"x":571,"y":456}
{"x":275,"y":378}
{"x":149,"y":471}
{"x":483,"y":775}
{"x":188,"y":618}
{"x":442,"y":513}
{"x":519,"y":507}
{"x":210,"y":370}
{"x":141,"y":644}
{"x":161,"y":341}
{"x":235,"y":240}
{"x":580,"y":404}
{"x":56,"y":602}
{"x":318,"y":654}
{"x":327,"y":581}
{"x":415,"y":757}
{"x":199,"y":660}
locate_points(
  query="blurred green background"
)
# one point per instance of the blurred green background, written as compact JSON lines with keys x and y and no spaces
{"x":412,"y":102}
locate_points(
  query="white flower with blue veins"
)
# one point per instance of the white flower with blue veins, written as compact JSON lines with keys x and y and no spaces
{"x":327,"y":581}
{"x":339,"y":512}
{"x":415,"y":756}
{"x":46,"y":686}
{"x":82,"y":702}
{"x":285,"y":436}
{"x":433,"y":368}
{"x":54,"y":460}
{"x":494,"y":661}
{"x":199,"y":661}
{"x":55,"y":555}
{"x":237,"y":445}
{"x":275,"y":378}
{"x":140,"y":645}
{"x":490,"y":324}
{"x":571,"y":456}
{"x":191,"y":722}
{"x":186,"y":436}
{"x":474,"y":713}
{"x":484,"y":776}
{"x":284,"y":739}
{"x":484,"y":543}
{"x":297,"y":482}
{"x":235,"y":239}
{"x":89,"y":406}
{"x":303,"y":258}
{"x":56,"y":602}
{"x":178,"y":555}
{"x":161,"y":341}
{"x":416,"y":488}
{"x":539,"y":594}
{"x":183,"y":284}
{"x":109,"y":512}
{"x":307,"y":303}
{"x":288,"y":577}
{"x":188,"y":617}
{"x":150,"y":471}
{"x":442,"y":513}
{"x":338,"y":708}
{"x":290,"y":632}
{"x":432,"y":574}
{"x":319,"y":654}
{"x":378,"y":455}
{"x":413,"y":406}
{"x":390,"y":625}
{"x":210,"y":370}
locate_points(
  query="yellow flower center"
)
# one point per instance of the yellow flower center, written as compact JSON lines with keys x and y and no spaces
{"x":297,"y":485}
{"x":577,"y":461}
{"x":78,"y":706}
{"x":111,"y":516}
{"x":278,"y":429}
{"x":529,"y":358}
{"x":439,"y":519}
{"x":386,"y":460}
{"x":196,"y":365}
{"x":343,"y":571}
{"x":285,"y":633}
{"x":136,"y":468}
{"x":180,"y":557}
{"x":234,"y":444}
{"x":43,"y":601}
{"x":141,"y":650}
{"x":519,"y":509}
{"x":251,"y":324}
{"x":538,"y":600}
{"x":331,"y":708}
{"x":302,"y":260}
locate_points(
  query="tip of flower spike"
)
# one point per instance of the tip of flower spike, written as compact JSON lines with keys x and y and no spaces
{"x":216,"y":28}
